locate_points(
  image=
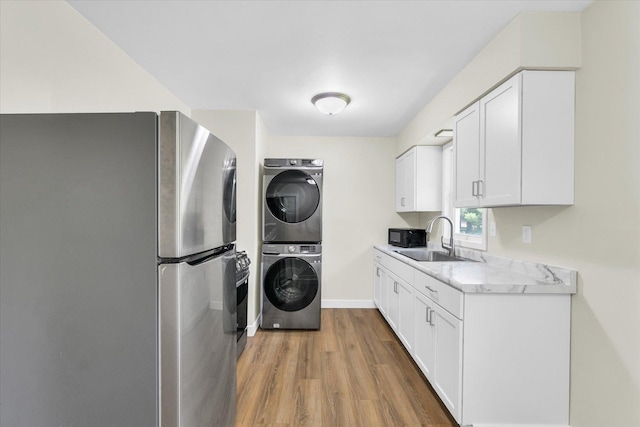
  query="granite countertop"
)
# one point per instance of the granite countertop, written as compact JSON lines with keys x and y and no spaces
{"x":485,"y":273}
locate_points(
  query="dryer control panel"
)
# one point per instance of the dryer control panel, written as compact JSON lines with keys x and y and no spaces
{"x":285,"y":163}
{"x":291,"y":248}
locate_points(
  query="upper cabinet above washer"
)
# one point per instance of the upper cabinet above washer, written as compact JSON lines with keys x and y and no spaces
{"x":419,"y":179}
{"x":515,"y":145}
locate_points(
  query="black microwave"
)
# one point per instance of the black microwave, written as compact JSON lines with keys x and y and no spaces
{"x":407,"y":237}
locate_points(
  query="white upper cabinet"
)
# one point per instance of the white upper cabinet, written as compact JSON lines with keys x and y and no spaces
{"x":467,"y":155}
{"x":515,"y":145}
{"x":419,"y":180}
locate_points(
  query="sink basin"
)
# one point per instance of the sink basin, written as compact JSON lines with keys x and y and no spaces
{"x":427,"y":256}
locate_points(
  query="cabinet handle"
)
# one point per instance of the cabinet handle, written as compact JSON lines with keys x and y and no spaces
{"x":480,"y":189}
{"x":378,"y":271}
{"x":395,"y":287}
{"x":432,"y":290}
{"x":401,"y":201}
{"x":473,"y":188}
{"x":427,"y":316}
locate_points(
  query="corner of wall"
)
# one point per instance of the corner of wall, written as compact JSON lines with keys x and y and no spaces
{"x":549,"y":40}
{"x":54,"y":60}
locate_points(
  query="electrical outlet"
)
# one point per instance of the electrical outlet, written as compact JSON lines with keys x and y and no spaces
{"x":526,"y":234}
{"x":492,"y":229}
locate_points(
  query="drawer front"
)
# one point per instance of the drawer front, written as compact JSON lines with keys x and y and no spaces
{"x":378,"y":256}
{"x":399,"y":268}
{"x":447,"y":297}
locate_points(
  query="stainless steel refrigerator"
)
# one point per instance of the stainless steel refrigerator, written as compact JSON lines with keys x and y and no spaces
{"x":117,"y":271}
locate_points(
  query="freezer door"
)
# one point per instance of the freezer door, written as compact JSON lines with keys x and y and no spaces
{"x":198,"y":342}
{"x":197,"y":184}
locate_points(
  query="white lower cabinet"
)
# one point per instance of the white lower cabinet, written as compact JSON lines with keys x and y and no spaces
{"x":447,"y":349}
{"x":493,"y":359}
{"x":379,"y":282}
{"x":438,"y":350}
{"x":424,"y":354}
{"x":393,"y":311}
{"x":405,"y":315}
{"x":392,"y":283}
{"x":399,"y":310}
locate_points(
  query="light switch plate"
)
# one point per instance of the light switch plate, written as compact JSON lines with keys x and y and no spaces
{"x":526,"y":234}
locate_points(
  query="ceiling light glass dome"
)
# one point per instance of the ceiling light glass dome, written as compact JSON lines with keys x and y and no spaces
{"x":331,"y":102}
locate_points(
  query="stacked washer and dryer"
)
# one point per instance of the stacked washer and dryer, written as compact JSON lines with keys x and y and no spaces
{"x":292,"y":243}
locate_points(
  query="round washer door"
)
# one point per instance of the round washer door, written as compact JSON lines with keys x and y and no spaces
{"x":291,"y":284}
{"x":292,"y":196}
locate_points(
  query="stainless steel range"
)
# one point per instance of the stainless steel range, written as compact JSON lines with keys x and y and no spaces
{"x":242,"y":288}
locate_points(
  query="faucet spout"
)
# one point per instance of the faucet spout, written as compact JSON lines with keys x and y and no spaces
{"x":450,"y":247}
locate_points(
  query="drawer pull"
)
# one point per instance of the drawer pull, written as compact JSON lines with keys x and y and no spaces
{"x":432,"y":290}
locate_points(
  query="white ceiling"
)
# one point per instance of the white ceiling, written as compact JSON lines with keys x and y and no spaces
{"x":390,"y":57}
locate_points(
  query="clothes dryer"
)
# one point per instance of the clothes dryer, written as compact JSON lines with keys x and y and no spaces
{"x":292,"y":196}
{"x":291,"y":284}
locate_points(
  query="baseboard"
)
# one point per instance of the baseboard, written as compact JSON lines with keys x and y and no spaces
{"x":253,"y":328}
{"x":325,"y":303}
{"x":347,"y":303}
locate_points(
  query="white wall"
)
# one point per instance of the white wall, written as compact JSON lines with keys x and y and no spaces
{"x":242,"y":130}
{"x":358,"y":207}
{"x":531,"y":40}
{"x":600,"y":235}
{"x":53,"y":60}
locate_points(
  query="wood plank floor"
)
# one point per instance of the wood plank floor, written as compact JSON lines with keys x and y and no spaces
{"x":353,"y":372}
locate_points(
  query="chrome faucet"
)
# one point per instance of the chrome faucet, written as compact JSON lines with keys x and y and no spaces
{"x":450,"y":247}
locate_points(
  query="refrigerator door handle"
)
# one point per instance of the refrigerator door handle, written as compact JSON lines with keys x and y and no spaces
{"x":203,"y":257}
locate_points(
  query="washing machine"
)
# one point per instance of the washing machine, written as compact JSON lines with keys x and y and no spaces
{"x":291,"y":284}
{"x":292,"y":197}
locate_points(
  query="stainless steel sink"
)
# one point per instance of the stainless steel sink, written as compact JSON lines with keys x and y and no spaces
{"x":427,"y":256}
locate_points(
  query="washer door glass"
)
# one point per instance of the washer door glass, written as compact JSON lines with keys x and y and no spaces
{"x":292,"y":196}
{"x":291,"y":284}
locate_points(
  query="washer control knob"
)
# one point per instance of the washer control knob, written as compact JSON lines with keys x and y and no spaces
{"x":292,"y":249}
{"x":293,"y":161}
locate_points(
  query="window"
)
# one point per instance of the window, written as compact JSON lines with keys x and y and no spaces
{"x":470,"y":223}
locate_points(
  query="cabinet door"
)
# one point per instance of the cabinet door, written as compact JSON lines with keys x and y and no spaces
{"x":406,"y":182}
{"x":377,"y":288}
{"x":423,"y":347}
{"x":401,"y":199}
{"x":501,"y":145}
{"x":393,"y":310}
{"x":448,"y":359}
{"x":428,"y":178}
{"x":405,"y":315}
{"x":466,"y":144}
{"x":384,"y":291}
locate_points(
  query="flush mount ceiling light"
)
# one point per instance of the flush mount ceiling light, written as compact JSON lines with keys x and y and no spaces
{"x":445,"y":133}
{"x":331,"y":102}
